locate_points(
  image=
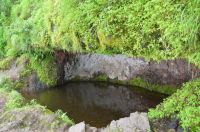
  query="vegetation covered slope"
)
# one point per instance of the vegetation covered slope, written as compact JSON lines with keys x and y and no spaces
{"x":184,"y":104}
{"x":153,"y":29}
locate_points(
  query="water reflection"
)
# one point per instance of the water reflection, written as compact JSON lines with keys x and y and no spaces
{"x":96,"y":103}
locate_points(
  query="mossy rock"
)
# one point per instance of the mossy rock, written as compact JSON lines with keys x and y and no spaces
{"x":164,"y":89}
{"x":6,"y":63}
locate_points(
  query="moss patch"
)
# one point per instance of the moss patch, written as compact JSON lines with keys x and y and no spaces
{"x":6,"y":63}
{"x":139,"y":82}
{"x":102,"y":77}
{"x":165,"y":89}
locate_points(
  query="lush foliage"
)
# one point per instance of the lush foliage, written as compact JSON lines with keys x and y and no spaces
{"x":185,"y":103}
{"x":154,"y":29}
{"x":46,"y":69}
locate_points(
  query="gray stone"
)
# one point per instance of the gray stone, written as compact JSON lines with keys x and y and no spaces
{"x":12,"y":73}
{"x":2,"y":102}
{"x":166,"y":124}
{"x":87,"y":66}
{"x":34,"y":83}
{"x":115,"y":67}
{"x":78,"y":127}
{"x":91,"y":129}
{"x":169,"y":72}
{"x":137,"y":122}
{"x":30,"y":120}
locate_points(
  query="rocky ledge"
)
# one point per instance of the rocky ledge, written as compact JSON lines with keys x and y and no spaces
{"x":135,"y":71}
{"x":164,"y":76}
{"x":98,"y":67}
{"x":34,"y":119}
{"x":136,"y":122}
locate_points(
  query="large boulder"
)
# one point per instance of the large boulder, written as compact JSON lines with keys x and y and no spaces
{"x":137,"y":122}
{"x":31,"y":120}
{"x":119,"y":67}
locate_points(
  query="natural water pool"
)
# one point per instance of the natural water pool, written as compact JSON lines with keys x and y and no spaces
{"x":96,"y":103}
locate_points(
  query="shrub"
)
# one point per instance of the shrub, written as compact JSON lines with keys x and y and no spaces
{"x":15,"y":100}
{"x":63,"y":117}
{"x":153,"y":29}
{"x":184,"y":103}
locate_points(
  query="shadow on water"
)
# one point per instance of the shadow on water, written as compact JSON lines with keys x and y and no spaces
{"x":96,"y":103}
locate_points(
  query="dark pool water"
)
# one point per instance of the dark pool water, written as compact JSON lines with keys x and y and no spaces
{"x":96,"y":103}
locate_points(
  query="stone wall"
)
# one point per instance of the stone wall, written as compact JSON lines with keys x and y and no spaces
{"x":118,"y":67}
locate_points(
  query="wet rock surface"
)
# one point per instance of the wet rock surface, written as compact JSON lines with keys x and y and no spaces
{"x":33,"y":83}
{"x":119,"y":67}
{"x":166,"y":125}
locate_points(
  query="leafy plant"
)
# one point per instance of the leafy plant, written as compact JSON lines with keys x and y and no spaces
{"x":185,"y":103}
{"x":63,"y":117}
{"x":46,"y":69}
{"x":15,"y":100}
{"x":154,"y":29}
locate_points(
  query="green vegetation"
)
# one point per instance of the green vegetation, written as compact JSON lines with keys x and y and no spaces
{"x":184,"y":104}
{"x":6,"y":63}
{"x":165,"y":89}
{"x":14,"y":100}
{"x":46,"y":70}
{"x":153,"y":29}
{"x":63,"y":116}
